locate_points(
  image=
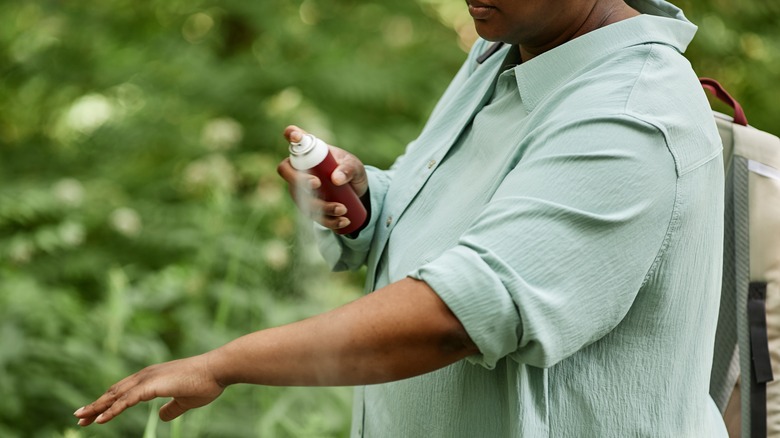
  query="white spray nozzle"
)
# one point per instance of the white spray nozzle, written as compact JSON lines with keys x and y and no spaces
{"x":308,"y":152}
{"x":304,"y":145}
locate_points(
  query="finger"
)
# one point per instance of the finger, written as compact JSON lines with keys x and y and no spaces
{"x":102,"y":416}
{"x":293,"y":133}
{"x":287,"y":172}
{"x":128,"y":392}
{"x":328,"y":214}
{"x":334,"y":221}
{"x":97,"y":407}
{"x":333,"y":209}
{"x":129,"y":399}
{"x":346,"y":173}
{"x":171,"y":410}
{"x":341,"y":176}
{"x":304,"y":183}
{"x":349,"y":170}
{"x":86,"y":421}
{"x":296,"y":180}
{"x":345,"y":170}
{"x":322,"y":211}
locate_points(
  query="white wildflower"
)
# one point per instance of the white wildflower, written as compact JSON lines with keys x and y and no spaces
{"x":126,"y":221}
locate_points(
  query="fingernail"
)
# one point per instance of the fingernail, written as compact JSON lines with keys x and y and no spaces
{"x":340,"y":210}
{"x":99,"y":418}
{"x":296,"y":136}
{"x":78,"y":411}
{"x":343,"y":222}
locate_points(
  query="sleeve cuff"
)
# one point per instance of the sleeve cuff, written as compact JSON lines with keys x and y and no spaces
{"x":477,"y":297}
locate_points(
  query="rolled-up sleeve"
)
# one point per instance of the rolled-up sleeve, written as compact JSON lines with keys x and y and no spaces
{"x":560,"y":252}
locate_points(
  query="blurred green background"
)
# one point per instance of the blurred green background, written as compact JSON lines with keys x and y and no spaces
{"x":141,"y":217}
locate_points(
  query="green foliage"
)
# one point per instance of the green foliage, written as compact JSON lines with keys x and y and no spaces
{"x":141,"y":218}
{"x":738,"y":44}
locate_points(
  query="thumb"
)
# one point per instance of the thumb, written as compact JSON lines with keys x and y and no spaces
{"x":340,"y":176}
{"x":171,"y":410}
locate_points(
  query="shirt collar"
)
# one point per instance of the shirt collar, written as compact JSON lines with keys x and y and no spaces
{"x":660,"y":22}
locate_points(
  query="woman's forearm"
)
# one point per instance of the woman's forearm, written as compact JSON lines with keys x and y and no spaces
{"x":399,"y":331}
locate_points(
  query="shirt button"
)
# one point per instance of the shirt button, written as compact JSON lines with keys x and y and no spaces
{"x":389,"y":221}
{"x":431,"y":164}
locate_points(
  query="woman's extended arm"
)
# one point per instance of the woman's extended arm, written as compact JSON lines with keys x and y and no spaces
{"x":399,"y":331}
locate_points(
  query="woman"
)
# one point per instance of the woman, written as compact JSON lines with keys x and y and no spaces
{"x":557,"y":225}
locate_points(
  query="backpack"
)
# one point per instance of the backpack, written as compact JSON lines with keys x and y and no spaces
{"x":747,"y":342}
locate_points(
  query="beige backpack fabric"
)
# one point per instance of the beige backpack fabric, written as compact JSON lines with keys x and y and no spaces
{"x":747,"y":345}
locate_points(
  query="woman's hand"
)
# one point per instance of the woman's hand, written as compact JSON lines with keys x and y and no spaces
{"x":302,"y":185}
{"x":400,"y":331}
{"x":189,"y":381}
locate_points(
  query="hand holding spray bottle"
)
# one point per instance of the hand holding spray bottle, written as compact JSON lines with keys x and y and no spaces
{"x":312,"y":155}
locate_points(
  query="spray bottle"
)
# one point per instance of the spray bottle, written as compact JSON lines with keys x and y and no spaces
{"x":313,"y":156}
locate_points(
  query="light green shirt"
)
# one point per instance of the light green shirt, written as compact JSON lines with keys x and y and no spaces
{"x":570,"y":215}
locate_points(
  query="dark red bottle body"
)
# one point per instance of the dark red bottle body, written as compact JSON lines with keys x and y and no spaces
{"x":312,"y":155}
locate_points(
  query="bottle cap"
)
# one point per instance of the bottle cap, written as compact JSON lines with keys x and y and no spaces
{"x":304,"y":146}
{"x":308,"y":152}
